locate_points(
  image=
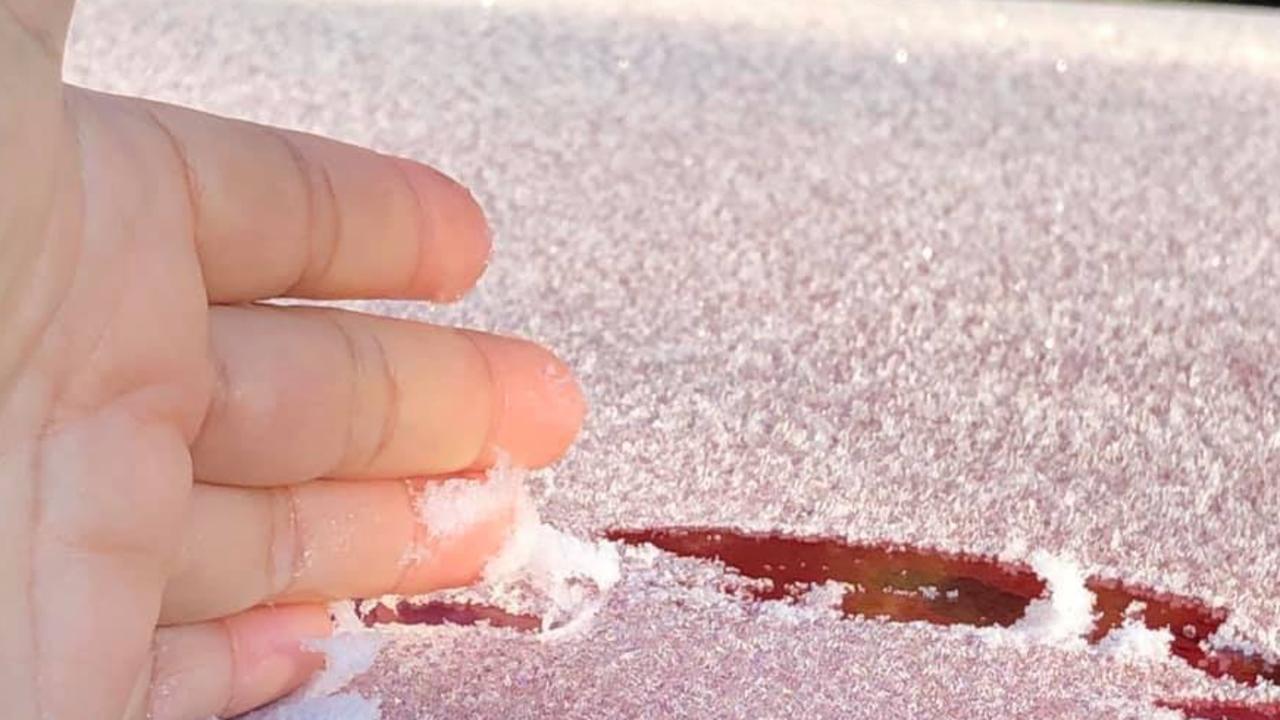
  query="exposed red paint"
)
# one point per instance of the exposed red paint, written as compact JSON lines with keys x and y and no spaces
{"x":432,"y":612}
{"x":895,"y":582}
{"x":905,"y":584}
{"x":1226,"y":711}
{"x":1191,"y":621}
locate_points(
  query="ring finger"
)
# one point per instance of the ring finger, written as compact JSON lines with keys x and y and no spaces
{"x":330,"y":539}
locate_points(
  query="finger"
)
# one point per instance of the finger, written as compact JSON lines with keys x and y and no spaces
{"x":229,"y":666}
{"x":40,"y":174}
{"x":34,"y":27}
{"x":326,"y":540}
{"x":280,"y":213}
{"x":309,"y":392}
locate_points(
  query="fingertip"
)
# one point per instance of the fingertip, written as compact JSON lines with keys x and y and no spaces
{"x":539,"y":407}
{"x":464,"y":523}
{"x":226,"y":667}
{"x":456,"y":241}
{"x":271,"y":653}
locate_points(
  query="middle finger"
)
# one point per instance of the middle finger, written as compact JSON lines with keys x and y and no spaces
{"x":316,"y":392}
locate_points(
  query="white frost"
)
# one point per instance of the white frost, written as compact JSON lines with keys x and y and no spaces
{"x":563,"y":579}
{"x":348,"y":653}
{"x":453,"y":507}
{"x":1230,"y":637}
{"x":345,"y":618}
{"x":820,"y":602}
{"x":334,"y":707}
{"x":572,"y":575}
{"x":1135,"y":641}
{"x":1065,"y":617}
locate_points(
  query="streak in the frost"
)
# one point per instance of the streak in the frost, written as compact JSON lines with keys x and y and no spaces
{"x":904,"y":584}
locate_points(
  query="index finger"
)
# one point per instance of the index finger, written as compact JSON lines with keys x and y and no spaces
{"x":277,"y":213}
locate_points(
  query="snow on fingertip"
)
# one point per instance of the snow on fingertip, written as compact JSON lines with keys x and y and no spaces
{"x":451,"y":508}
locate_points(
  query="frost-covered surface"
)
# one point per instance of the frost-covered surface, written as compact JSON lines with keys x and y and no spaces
{"x":982,"y":277}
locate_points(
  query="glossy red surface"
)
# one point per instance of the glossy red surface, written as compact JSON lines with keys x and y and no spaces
{"x":409,"y":612}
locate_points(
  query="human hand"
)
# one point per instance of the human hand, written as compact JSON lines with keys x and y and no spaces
{"x":164,"y":540}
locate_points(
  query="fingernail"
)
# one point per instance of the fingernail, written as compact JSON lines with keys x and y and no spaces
{"x":538,"y":405}
{"x":271,"y":653}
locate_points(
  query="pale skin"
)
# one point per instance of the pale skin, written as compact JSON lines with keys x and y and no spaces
{"x":187,"y":475}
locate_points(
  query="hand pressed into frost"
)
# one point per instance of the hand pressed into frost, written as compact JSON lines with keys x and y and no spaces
{"x":165,"y":544}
